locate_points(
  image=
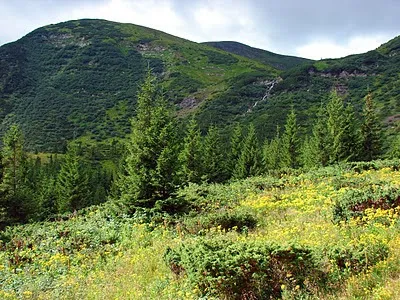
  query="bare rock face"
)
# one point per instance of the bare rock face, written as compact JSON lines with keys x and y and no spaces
{"x":341,"y":89}
{"x":147,"y":47}
{"x":344,"y":74}
{"x":189,"y":103}
{"x":62,"y":40}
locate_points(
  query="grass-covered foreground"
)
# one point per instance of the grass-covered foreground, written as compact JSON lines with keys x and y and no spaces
{"x":326,"y":234}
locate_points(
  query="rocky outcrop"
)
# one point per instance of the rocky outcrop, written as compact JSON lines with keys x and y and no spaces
{"x":343,"y":74}
{"x":189,"y":103}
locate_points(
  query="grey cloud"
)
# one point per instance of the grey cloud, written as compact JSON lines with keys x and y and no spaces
{"x":294,"y":22}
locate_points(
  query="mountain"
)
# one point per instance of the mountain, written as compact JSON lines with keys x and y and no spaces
{"x":80,"y":78}
{"x":281,"y":62}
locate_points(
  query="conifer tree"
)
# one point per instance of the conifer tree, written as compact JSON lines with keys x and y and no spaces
{"x":12,"y":160}
{"x":236,"y":143}
{"x":150,"y":166}
{"x":272,"y":152}
{"x":371,"y":133}
{"x":341,"y":136}
{"x":249,"y":163}
{"x":318,"y":146}
{"x":46,"y":197}
{"x":290,"y":142}
{"x":72,"y":183}
{"x":191,"y":156}
{"x":213,"y":161}
{"x":15,"y":199}
{"x":308,"y":154}
{"x":394,"y":150}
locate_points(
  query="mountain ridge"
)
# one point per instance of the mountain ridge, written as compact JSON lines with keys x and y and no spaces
{"x":279,"y":61}
{"x":79,"y":79}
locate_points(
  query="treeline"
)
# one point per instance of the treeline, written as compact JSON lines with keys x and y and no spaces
{"x":35,"y":190}
{"x":158,"y":158}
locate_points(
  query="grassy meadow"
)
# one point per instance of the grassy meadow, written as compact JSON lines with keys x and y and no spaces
{"x":330,"y":233}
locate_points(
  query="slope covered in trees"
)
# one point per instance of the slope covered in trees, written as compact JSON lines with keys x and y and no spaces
{"x":80,"y":79}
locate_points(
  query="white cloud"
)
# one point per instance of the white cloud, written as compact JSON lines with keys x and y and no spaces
{"x":324,"y":48}
{"x":152,"y":13}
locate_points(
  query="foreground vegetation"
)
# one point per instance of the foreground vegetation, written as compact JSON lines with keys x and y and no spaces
{"x":329,"y":233}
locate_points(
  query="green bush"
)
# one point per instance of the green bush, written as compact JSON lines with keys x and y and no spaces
{"x":244,"y":270}
{"x":224,"y":219}
{"x":358,"y":258}
{"x":354,"y":202}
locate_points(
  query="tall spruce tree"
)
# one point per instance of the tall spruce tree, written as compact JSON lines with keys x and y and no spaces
{"x":290,"y":142}
{"x":72,"y":183}
{"x":308,"y":154}
{"x":272,"y":152}
{"x":371,"y":133}
{"x":249,"y":163}
{"x":15,"y":199}
{"x":191,"y":156}
{"x":236,"y":142}
{"x":342,"y":137}
{"x":318,"y":146}
{"x":213,"y":159}
{"x":150,"y":167}
{"x":12,"y":160}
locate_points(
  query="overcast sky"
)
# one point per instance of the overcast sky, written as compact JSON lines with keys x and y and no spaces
{"x":307,"y":28}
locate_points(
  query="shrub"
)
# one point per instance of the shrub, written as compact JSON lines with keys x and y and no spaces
{"x":225,"y":219}
{"x":244,"y":270}
{"x":354,"y":202}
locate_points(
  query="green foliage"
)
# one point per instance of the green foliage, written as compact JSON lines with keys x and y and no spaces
{"x":341,"y":132}
{"x":354,"y":202}
{"x":236,"y":142}
{"x":249,"y":163}
{"x":290,"y":142}
{"x":223,"y":219}
{"x":150,"y":169}
{"x":218,"y":58}
{"x":191,"y":156}
{"x":319,"y":143}
{"x":371,"y":133}
{"x":12,"y":161}
{"x":221,"y":268}
{"x":281,"y":62}
{"x":71,"y":185}
{"x":213,"y":157}
{"x":272,"y":153}
{"x":14,"y":190}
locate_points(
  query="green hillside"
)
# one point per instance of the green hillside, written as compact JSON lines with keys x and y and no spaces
{"x":281,"y":62}
{"x":306,"y":86}
{"x":80,"y":78}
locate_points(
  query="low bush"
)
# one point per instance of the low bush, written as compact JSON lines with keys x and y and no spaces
{"x":225,"y":219}
{"x":354,"y":202}
{"x":244,"y":270}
